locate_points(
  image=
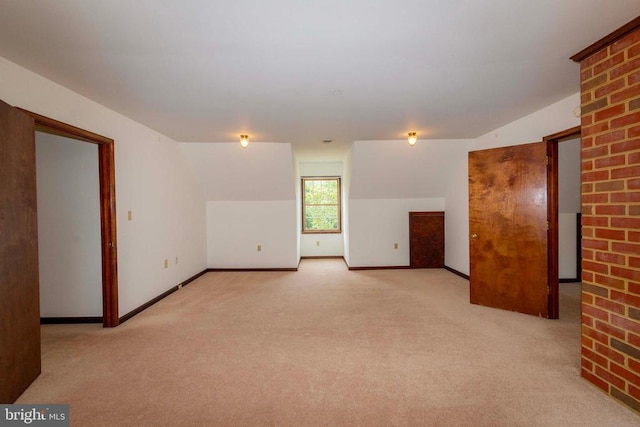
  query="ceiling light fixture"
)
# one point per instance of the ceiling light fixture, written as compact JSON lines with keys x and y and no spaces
{"x":412,"y":138}
{"x":244,"y":140}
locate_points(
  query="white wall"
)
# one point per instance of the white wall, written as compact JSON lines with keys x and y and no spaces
{"x":250,"y":201}
{"x":569,"y":195}
{"x":346,"y":187}
{"x":390,"y":179}
{"x":376,"y":224}
{"x":236,"y":228}
{"x":322,"y":244}
{"x":151,"y":180}
{"x":69,"y":249}
{"x":531,"y":128}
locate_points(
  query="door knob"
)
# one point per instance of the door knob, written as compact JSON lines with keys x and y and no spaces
{"x":474,"y":235}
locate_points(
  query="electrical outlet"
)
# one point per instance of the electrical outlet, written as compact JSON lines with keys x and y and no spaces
{"x":259,"y":248}
{"x":166,"y":263}
{"x":395,"y":246}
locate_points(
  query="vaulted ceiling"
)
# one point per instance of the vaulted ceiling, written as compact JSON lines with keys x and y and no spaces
{"x":305,"y":71}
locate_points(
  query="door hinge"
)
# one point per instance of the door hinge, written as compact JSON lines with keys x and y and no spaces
{"x":548,"y":226}
{"x":548,"y":290}
{"x":547,"y":160}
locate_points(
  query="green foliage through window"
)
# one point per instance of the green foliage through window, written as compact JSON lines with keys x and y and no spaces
{"x":321,"y":205}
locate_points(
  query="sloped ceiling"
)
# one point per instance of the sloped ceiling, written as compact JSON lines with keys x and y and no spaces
{"x":302,"y":71}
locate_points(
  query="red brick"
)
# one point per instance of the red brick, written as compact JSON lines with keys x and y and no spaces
{"x":610,"y":330}
{"x":609,"y":63}
{"x":622,"y":147}
{"x":628,"y":172}
{"x":634,"y":288}
{"x":625,"y":222}
{"x":634,"y":365}
{"x":634,"y":392}
{"x":610,"y":88}
{"x":601,"y":175}
{"x":595,"y":335}
{"x":595,"y":128}
{"x":612,"y":379}
{"x":594,"y":59}
{"x":619,"y":160}
{"x":634,"y":340}
{"x":610,"y":112}
{"x":610,"y":186}
{"x":609,"y":281}
{"x":596,"y":313}
{"x":610,"y":234}
{"x":625,"y":120}
{"x":587,"y":165}
{"x":629,"y":93}
{"x":625,"y":248}
{"x":595,"y":152}
{"x":634,"y":210}
{"x":587,"y":119}
{"x":595,"y":198}
{"x":587,"y":277}
{"x":610,"y":306}
{"x":595,"y":267}
{"x":587,"y":342}
{"x":610,"y":137}
{"x":587,"y":141}
{"x":587,"y":321}
{"x":595,"y":244}
{"x":611,"y":258}
{"x":586,"y":253}
{"x":611,"y":210}
{"x":627,"y":197}
{"x":595,"y":358}
{"x":625,"y":42}
{"x":625,"y":324}
{"x":586,"y":74}
{"x":634,"y":158}
{"x":625,"y":298}
{"x":633,"y":132}
{"x":595,"y":221}
{"x":604,"y":386}
{"x":633,"y":52}
{"x":623,"y":69}
{"x":633,"y":78}
{"x":625,"y":273}
{"x":633,"y":184}
{"x":587,"y":298}
{"x":624,"y":373}
{"x":635,"y":262}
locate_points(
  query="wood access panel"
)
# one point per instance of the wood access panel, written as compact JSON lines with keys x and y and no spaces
{"x":508,"y":226}
{"x":426,"y":239}
{"x":19,"y":288}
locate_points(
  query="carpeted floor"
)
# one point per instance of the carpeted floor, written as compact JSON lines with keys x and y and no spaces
{"x":325,"y":346}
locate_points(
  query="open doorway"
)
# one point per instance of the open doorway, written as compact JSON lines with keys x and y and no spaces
{"x":107,"y":207}
{"x":563,"y":151}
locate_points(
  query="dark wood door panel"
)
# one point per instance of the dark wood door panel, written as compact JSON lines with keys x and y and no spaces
{"x":426,"y":239}
{"x":508,"y":227}
{"x":19,"y":305}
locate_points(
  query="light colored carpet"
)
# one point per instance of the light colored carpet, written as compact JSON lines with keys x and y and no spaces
{"x":325,"y":346}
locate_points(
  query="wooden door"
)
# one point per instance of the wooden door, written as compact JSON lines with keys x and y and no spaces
{"x":19,"y":304}
{"x":508,"y":228}
{"x":426,"y":239}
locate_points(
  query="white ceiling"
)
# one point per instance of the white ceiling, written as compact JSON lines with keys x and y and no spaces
{"x":303,"y":71}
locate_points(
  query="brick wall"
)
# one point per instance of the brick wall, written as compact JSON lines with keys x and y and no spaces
{"x":610,"y":89}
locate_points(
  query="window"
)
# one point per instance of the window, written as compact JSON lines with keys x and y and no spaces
{"x":321,"y":205}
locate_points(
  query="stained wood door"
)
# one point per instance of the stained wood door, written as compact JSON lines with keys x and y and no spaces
{"x":19,"y":304}
{"x":508,"y":228}
{"x":426,"y":239}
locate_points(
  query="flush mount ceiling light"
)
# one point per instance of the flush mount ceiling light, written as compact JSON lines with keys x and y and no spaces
{"x":411,"y":137}
{"x":244,"y":140}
